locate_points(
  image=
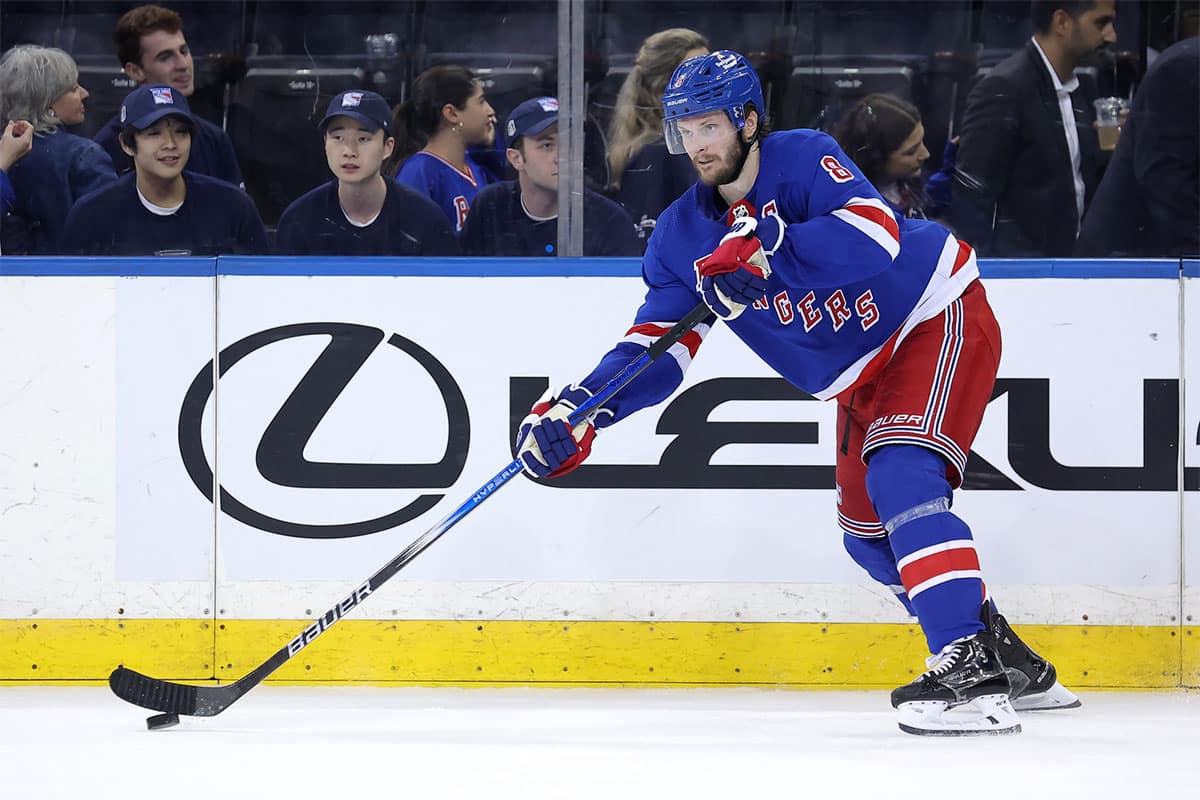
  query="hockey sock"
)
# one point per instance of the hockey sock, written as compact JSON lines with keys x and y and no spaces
{"x":934,"y":552}
{"x":875,"y":556}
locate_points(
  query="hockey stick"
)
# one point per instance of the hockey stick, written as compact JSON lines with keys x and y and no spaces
{"x":208,"y":701}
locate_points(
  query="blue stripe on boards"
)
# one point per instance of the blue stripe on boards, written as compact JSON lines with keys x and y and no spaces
{"x":74,"y":266}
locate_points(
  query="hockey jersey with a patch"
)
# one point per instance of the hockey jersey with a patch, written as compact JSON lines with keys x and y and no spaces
{"x":849,"y":278}
{"x":444,"y":184}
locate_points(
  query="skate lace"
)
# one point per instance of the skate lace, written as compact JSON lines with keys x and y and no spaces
{"x":946,"y":659}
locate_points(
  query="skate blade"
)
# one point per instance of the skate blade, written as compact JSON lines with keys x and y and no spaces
{"x":1057,"y":696}
{"x":986,"y":715}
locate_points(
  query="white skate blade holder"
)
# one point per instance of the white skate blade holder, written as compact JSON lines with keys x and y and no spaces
{"x":1057,"y":696}
{"x":986,"y":715}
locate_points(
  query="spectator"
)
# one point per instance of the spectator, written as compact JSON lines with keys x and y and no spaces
{"x":645,"y":178}
{"x":158,"y":209}
{"x":446,"y":114}
{"x":1149,"y":201}
{"x":151,"y":48}
{"x":1029,"y":157}
{"x":520,"y":218}
{"x":885,"y":137}
{"x":360,"y":212}
{"x":15,"y":144}
{"x":41,"y":85}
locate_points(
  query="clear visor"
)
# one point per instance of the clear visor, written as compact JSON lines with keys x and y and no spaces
{"x":693,"y":133}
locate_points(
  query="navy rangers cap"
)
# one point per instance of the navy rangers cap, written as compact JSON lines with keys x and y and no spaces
{"x":147,"y":104}
{"x":366,"y":107}
{"x":531,"y":118}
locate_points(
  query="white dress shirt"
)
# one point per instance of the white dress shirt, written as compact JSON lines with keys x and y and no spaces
{"x":1063,"y":90}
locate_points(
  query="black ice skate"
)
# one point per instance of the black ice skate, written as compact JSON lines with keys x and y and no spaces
{"x":964,"y":693}
{"x":1035,"y":683}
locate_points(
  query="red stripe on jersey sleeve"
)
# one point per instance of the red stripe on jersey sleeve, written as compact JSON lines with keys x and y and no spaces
{"x":648,"y":329}
{"x":884,"y":219}
{"x":692,"y":340}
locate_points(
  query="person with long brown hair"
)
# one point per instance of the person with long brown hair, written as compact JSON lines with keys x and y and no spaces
{"x":645,"y":177}
{"x":446,"y":114}
{"x":885,"y":137}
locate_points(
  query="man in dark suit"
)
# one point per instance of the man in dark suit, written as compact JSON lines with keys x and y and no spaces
{"x":1029,"y":158}
{"x":1149,"y":201}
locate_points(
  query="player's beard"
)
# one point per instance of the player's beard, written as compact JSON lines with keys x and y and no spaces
{"x":736,"y":162}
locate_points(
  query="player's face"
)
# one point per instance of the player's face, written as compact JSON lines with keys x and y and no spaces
{"x":907,"y":159}
{"x":712,"y":143}
{"x":163,"y":148}
{"x":165,"y":59}
{"x":69,"y":105}
{"x":354,"y":153}
{"x":478,"y":119}
{"x":1093,"y":33}
{"x":539,"y":162}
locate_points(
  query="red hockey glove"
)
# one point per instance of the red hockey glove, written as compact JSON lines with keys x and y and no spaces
{"x":545,"y":445}
{"x":735,"y":274}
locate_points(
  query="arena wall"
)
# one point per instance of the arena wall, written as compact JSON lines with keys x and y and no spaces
{"x":338,"y":409}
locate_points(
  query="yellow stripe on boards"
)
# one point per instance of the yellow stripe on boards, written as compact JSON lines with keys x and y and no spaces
{"x":86,"y":649}
{"x":545,"y":652}
{"x":1191,"y":656}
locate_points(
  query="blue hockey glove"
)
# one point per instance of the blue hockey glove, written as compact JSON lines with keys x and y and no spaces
{"x":735,"y":274}
{"x":546,"y":446}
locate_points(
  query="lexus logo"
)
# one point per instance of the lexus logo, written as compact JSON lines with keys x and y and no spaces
{"x":280,"y":453}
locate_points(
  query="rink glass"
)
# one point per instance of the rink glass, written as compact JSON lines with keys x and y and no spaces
{"x":265,"y":71}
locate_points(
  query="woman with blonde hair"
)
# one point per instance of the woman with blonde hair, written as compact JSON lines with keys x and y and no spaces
{"x":41,"y":85}
{"x":645,"y":177}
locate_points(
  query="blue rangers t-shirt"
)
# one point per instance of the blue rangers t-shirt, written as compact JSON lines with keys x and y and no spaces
{"x":445,"y":184}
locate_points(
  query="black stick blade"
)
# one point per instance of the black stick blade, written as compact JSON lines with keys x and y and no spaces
{"x":152,"y":693}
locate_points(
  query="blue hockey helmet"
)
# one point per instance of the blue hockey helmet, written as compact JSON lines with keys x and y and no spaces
{"x":720,"y":81}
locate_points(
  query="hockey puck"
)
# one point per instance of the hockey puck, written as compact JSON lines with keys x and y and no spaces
{"x":160,"y":721}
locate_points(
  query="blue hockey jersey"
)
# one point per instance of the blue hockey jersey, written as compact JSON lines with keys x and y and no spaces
{"x":442,"y":182}
{"x":849,"y":278}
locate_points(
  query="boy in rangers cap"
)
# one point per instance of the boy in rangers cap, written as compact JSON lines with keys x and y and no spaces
{"x":359,"y":212}
{"x":157,"y":209}
{"x":520,"y":218}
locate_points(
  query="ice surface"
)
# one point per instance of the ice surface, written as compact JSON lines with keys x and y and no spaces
{"x":624,"y":744}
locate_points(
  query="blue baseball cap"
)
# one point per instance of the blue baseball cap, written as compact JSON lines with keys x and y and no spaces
{"x":368,"y":108}
{"x":531,"y":118}
{"x":146,"y":105}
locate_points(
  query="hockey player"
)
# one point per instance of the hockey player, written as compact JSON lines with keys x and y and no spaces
{"x":158,"y":209}
{"x":801,"y":257}
{"x":359,"y":212}
{"x":446,"y":115}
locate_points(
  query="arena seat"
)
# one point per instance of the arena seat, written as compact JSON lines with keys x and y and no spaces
{"x":822,"y":87}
